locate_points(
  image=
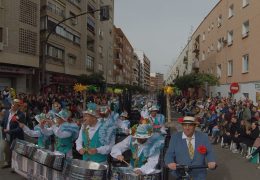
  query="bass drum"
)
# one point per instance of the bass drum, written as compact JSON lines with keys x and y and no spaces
{"x":126,"y":173}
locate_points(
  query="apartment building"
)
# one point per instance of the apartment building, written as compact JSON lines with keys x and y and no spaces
{"x":136,"y":71}
{"x":19,"y":43}
{"x":81,"y":45}
{"x":156,"y":81}
{"x":145,"y":69}
{"x":226,"y":44}
{"x":123,"y":58}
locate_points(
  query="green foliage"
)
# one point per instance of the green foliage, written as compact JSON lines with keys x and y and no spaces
{"x":195,"y":80}
{"x":92,"y":79}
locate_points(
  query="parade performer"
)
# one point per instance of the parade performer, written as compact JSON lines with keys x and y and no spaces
{"x":56,"y":107}
{"x":96,"y":137}
{"x":123,"y":124}
{"x":145,"y":147}
{"x":65,"y":133}
{"x":157,"y":120}
{"x":43,"y":141}
{"x":190,"y":147}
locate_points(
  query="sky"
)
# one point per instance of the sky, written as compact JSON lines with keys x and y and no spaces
{"x":160,"y":28}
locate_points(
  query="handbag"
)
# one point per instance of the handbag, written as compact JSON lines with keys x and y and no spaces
{"x":257,"y":142}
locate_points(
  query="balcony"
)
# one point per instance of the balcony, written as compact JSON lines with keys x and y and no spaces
{"x":118,"y":63}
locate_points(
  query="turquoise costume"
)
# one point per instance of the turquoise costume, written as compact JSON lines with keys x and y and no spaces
{"x":64,"y":145}
{"x":43,"y":140}
{"x":93,"y":143}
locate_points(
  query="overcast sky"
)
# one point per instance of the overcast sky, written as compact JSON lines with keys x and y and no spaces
{"x":160,"y":28}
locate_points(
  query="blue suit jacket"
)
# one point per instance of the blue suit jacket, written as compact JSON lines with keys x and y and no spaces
{"x":178,"y":153}
{"x":15,"y":131}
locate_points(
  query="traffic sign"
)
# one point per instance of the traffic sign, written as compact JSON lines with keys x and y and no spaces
{"x":234,"y":87}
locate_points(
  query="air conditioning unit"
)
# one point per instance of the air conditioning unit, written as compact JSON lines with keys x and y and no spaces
{"x":1,"y":46}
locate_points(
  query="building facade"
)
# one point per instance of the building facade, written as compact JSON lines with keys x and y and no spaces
{"x":226,"y":44}
{"x":81,"y":45}
{"x":19,"y":43}
{"x":156,"y":82}
{"x":30,"y":62}
{"x":123,"y":58}
{"x":136,"y":71}
{"x":144,"y":69}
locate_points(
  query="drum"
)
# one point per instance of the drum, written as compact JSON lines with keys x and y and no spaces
{"x":20,"y":146}
{"x":82,"y":170}
{"x":30,"y":150}
{"x":127,"y":173}
{"x":58,"y":160}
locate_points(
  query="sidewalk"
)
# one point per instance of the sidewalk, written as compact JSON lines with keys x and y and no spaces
{"x":6,"y":174}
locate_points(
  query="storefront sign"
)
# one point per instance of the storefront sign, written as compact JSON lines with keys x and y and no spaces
{"x":16,"y":70}
{"x":62,"y":79}
{"x":234,"y":87}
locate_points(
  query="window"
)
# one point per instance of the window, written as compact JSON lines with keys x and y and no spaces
{"x":219,"y":45}
{"x":219,"y":70}
{"x":91,"y":10}
{"x":219,"y":20}
{"x":100,"y":67}
{"x":230,"y":68}
{"x":203,"y":55}
{"x":1,"y":34}
{"x":72,"y":59}
{"x":208,"y":50}
{"x":245,"y":63}
{"x":212,"y":25}
{"x":90,"y":63}
{"x":245,"y":29}
{"x":212,"y":47}
{"x":231,"y":11}
{"x":245,"y":3}
{"x":56,"y":9}
{"x":91,"y":25}
{"x":246,"y":95}
{"x":55,"y":52}
{"x":230,"y":38}
{"x":203,"y":36}
{"x":74,"y":21}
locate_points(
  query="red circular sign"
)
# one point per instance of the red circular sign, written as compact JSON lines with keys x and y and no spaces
{"x":234,"y":88}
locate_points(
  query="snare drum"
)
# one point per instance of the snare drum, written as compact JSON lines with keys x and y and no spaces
{"x":89,"y":170}
{"x":126,"y":173}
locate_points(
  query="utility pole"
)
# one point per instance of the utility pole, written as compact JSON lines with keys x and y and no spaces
{"x":104,"y":16}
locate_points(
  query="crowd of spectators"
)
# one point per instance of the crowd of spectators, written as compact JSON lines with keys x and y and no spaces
{"x":231,"y":123}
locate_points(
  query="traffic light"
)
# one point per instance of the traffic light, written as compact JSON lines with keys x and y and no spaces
{"x":104,"y":13}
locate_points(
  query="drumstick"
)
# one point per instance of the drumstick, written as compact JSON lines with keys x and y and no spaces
{"x":126,"y":162}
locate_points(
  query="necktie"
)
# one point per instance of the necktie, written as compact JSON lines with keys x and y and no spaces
{"x":191,"y":149}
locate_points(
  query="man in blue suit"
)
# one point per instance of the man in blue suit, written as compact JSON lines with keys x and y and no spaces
{"x":11,"y":129}
{"x":190,"y":147}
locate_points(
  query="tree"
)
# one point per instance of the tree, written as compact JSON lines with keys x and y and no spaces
{"x":195,"y":80}
{"x":92,"y":79}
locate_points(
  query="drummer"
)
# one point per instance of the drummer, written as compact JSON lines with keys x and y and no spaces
{"x":43,"y":140}
{"x":123,"y":124}
{"x":65,"y":133}
{"x":96,"y":137}
{"x":145,"y":148}
{"x":157,"y":120}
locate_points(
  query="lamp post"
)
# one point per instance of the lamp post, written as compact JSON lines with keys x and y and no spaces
{"x":104,"y":16}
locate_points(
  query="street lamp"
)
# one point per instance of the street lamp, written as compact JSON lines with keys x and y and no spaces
{"x":104,"y":16}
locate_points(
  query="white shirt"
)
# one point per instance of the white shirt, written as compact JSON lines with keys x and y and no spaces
{"x":187,"y":140}
{"x":30,"y":132}
{"x":11,"y":114}
{"x":124,"y":145}
{"x":92,"y":130}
